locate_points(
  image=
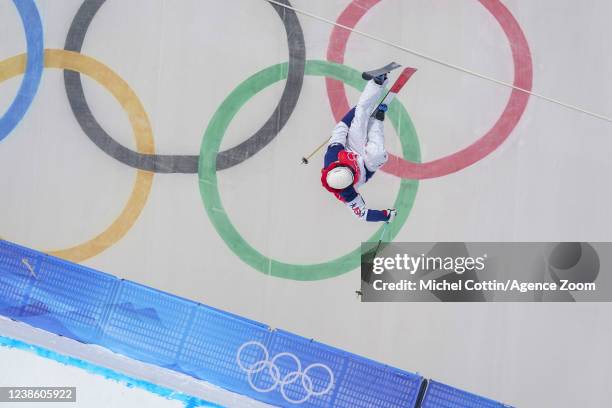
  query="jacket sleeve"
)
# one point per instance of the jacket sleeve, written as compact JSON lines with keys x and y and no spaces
{"x":331,"y":155}
{"x":339,"y":138}
{"x":361,"y":211}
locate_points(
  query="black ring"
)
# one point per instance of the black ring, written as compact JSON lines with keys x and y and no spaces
{"x":183,"y":163}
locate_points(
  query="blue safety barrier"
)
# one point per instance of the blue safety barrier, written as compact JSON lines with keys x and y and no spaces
{"x":240,"y":355}
{"x":439,"y":395}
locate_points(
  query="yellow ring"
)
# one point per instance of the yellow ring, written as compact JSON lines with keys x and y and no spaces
{"x":141,"y":127}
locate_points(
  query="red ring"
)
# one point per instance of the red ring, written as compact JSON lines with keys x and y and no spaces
{"x":523,"y":78}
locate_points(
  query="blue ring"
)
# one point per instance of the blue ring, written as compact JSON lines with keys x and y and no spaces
{"x":32,"y":26}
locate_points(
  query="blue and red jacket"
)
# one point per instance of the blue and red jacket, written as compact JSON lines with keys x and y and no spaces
{"x":336,"y":155}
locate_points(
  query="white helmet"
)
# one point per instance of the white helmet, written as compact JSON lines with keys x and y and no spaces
{"x":340,"y":177}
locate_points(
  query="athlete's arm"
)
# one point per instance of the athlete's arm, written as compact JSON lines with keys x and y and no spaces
{"x":331,"y":155}
{"x":338,"y":140}
{"x":356,"y":203}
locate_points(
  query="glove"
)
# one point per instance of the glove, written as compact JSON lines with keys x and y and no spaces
{"x":380,"y":112}
{"x":392,"y":213}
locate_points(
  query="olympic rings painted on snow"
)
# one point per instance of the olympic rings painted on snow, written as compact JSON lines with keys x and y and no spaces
{"x":211,"y":195}
{"x":290,"y":378}
{"x":142,"y":132}
{"x":182,"y":163}
{"x":211,"y":160}
{"x":523,"y":78}
{"x":32,"y":26}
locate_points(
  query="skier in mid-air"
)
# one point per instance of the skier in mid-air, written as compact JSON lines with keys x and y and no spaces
{"x":356,"y":151}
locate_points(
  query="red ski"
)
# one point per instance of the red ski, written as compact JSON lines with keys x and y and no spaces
{"x":397,"y":86}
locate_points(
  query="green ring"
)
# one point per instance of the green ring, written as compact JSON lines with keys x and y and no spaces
{"x":208,"y":173}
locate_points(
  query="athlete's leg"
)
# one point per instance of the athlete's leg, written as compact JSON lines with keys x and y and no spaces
{"x":375,"y":152}
{"x":358,"y":132}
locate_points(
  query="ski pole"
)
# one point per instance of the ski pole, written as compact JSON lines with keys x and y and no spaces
{"x":305,"y":159}
{"x":382,"y":235}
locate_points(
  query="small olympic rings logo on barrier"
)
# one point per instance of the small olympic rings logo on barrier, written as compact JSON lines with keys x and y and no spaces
{"x":283,"y":381}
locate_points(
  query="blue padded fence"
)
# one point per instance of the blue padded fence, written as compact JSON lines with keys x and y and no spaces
{"x":232,"y":352}
{"x":439,"y":395}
